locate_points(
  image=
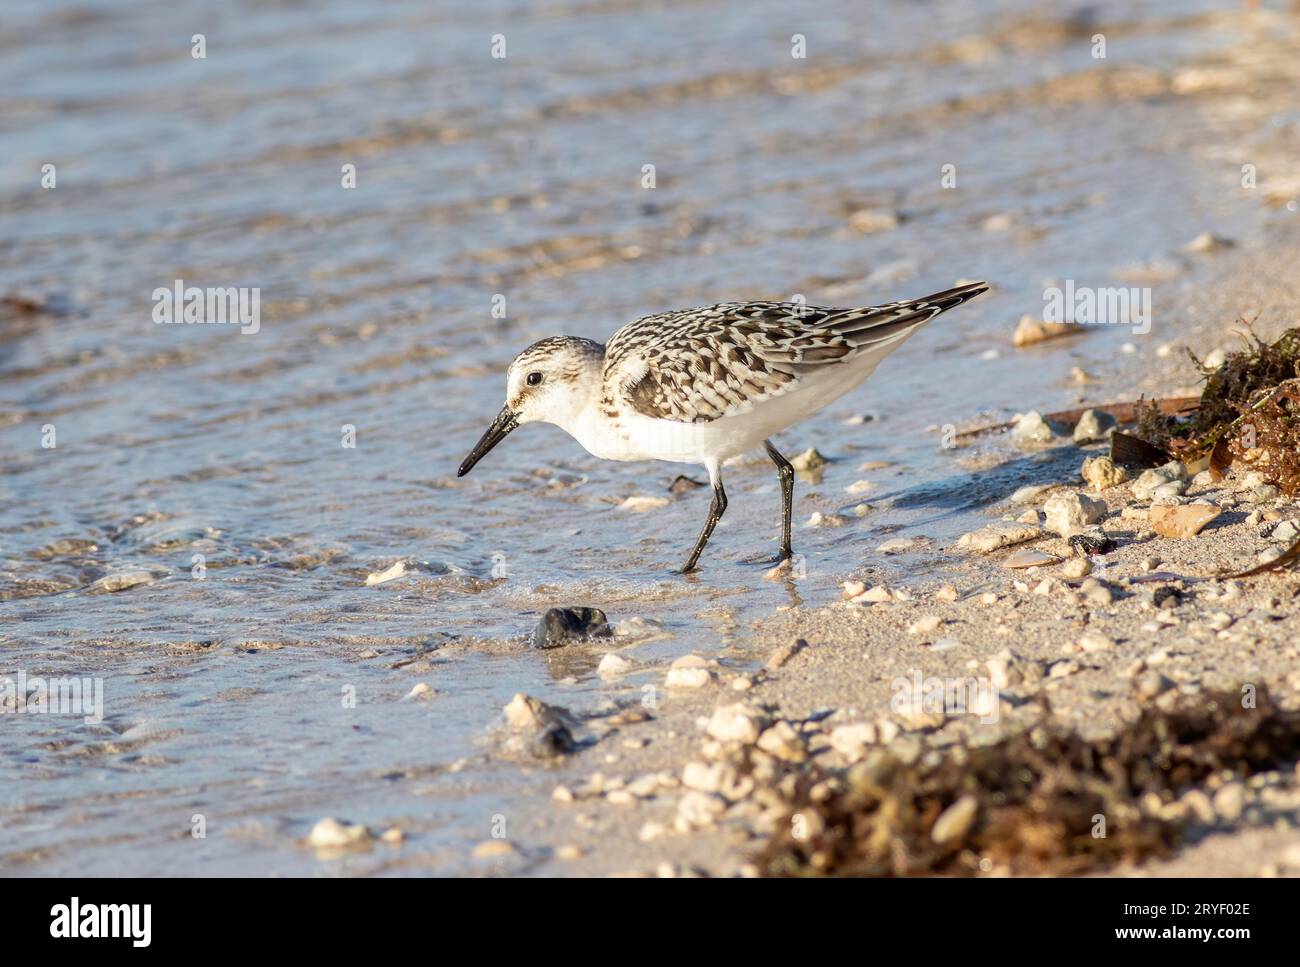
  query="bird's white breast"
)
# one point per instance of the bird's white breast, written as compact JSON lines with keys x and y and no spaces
{"x":626,"y":434}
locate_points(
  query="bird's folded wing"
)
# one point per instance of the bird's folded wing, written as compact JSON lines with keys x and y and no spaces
{"x":697,"y":365}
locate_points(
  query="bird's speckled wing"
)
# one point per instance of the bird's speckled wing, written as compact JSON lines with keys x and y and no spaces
{"x":696,"y":365}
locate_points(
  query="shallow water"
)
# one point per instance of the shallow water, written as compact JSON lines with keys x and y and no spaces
{"x":224,"y":694}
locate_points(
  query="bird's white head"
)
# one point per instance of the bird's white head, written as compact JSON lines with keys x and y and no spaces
{"x":551,"y":381}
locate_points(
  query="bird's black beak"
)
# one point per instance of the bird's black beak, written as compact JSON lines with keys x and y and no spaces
{"x":500,"y":428}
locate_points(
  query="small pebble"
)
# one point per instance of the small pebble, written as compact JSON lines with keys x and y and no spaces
{"x":331,"y":833}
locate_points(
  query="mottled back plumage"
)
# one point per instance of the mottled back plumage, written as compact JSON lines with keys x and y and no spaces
{"x":697,"y":365}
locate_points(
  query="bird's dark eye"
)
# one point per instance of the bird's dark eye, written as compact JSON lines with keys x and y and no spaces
{"x":534,"y":379}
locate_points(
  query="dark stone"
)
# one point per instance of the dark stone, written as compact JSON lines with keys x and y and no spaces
{"x":559,"y":626}
{"x":1166,"y":597}
{"x":1086,"y":544}
{"x":551,"y":741}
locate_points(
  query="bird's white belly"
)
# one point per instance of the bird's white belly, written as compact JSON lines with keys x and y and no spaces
{"x":634,"y":436}
{"x":637,"y":437}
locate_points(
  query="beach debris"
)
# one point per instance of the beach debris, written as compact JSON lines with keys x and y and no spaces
{"x":1151,"y":684}
{"x":491,"y":849}
{"x":1123,"y":412}
{"x":690,"y":671}
{"x":996,"y":536}
{"x":1092,"y":641}
{"x":1219,"y":621}
{"x":1071,"y":511}
{"x":1028,"y":557}
{"x":1030,"y":493}
{"x":900,"y":544}
{"x":338,"y":834}
{"x":868,"y":221}
{"x":1215,"y":359}
{"x":1097,"y":593}
{"x":525,"y":712}
{"x":721,"y":778}
{"x":66,"y":547}
{"x":783,"y":742}
{"x":1009,"y":670}
{"x":613,"y":666}
{"x":1246,"y":411}
{"x":739,"y":722}
{"x":1285,"y":532}
{"x":551,"y":742}
{"x":1208,"y":242}
{"x":688,"y":677}
{"x":698,"y":810}
{"x":955,"y":822}
{"x":562,"y":626}
{"x":856,"y":592}
{"x":1094,"y":426}
{"x":854,"y":739}
{"x":1031,"y":330}
{"x":394,"y":572}
{"x":1091,"y":541}
{"x":809,"y":461}
{"x":1102,"y":473}
{"x":1269,"y":438}
{"x":1284,"y":560}
{"x":122,"y":581}
{"x":1183,"y":521}
{"x":1028,"y":803}
{"x":1170,"y":479}
{"x":537,"y":729}
{"x":1131,"y":451}
{"x":640,"y":503}
{"x":1031,"y":430}
{"x":1166,"y":596}
{"x":1076,"y":567}
{"x":785,"y":653}
{"x":640,"y":627}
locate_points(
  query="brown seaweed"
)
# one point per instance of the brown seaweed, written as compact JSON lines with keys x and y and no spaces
{"x":1044,"y":801}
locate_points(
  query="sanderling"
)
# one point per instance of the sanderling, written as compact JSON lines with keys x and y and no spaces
{"x":702,"y":385}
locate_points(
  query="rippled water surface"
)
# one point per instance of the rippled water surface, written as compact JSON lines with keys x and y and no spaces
{"x":227,"y":686}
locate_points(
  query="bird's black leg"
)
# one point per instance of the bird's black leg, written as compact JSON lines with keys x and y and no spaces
{"x":786,"y":472}
{"x":716,"y":510}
